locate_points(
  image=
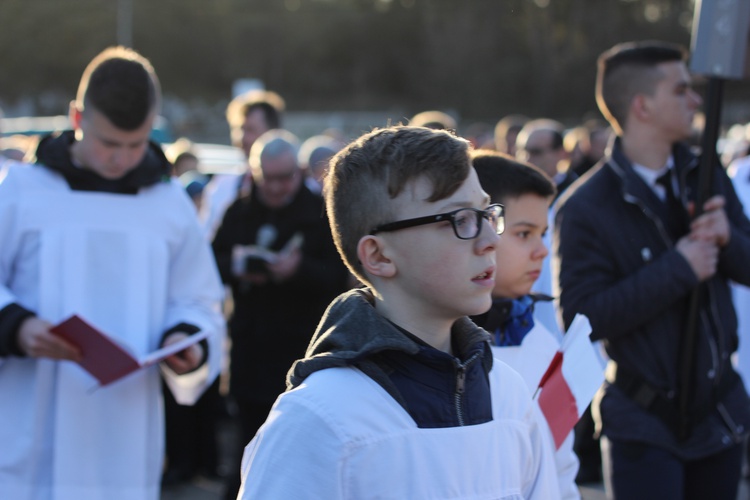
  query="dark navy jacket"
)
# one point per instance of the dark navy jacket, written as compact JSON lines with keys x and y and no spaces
{"x":437,"y":389}
{"x":619,"y":267}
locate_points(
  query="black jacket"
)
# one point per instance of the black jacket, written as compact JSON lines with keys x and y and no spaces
{"x":272,"y":324}
{"x":619,"y":267}
{"x":437,"y":389}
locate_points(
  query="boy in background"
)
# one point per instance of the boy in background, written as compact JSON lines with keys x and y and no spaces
{"x":526,"y":193}
{"x":97,"y":228}
{"x":398,"y":396}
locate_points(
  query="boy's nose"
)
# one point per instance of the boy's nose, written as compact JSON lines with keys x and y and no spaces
{"x":541,"y":251}
{"x":488,"y":238}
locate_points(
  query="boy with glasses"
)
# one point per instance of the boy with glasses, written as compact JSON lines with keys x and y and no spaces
{"x":398,"y":395}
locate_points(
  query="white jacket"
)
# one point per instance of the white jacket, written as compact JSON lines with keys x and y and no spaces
{"x":341,"y":436}
{"x":134,"y":266}
{"x":545,"y":344}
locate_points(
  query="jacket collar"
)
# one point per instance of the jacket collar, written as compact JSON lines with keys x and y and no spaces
{"x":53,"y":152}
{"x":352,"y":331}
{"x":635,"y":189}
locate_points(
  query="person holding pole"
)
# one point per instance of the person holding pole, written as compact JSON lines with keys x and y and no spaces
{"x":630,"y":257}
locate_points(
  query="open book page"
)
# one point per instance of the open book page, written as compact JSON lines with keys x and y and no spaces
{"x":105,"y":358}
{"x":254,"y":251}
{"x":167,"y":351}
{"x":253,"y":258}
{"x":294,"y":243}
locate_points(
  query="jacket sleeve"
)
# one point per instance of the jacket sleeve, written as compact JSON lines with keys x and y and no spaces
{"x":11,"y":313}
{"x":194,"y":298}
{"x":733,"y":258}
{"x":224,"y":241}
{"x":11,"y":318}
{"x":296,"y":439}
{"x":592,"y":282}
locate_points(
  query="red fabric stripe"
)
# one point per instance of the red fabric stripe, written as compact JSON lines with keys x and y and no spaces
{"x":558,"y":403}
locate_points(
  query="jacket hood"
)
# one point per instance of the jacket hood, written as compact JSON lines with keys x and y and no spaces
{"x":54,"y":153}
{"x":352,"y":331}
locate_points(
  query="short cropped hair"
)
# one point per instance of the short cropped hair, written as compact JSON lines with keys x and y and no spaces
{"x":553,"y":127}
{"x":122,"y":85}
{"x":629,"y":69}
{"x":269,"y":102}
{"x":315,"y":152}
{"x":577,"y":137}
{"x":175,"y":151}
{"x":434,"y":119}
{"x":185,"y":155}
{"x":508,"y":124}
{"x":369,"y":173}
{"x":505,"y":178}
{"x":273,"y":144}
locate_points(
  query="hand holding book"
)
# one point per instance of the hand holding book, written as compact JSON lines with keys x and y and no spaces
{"x":105,"y":359}
{"x":186,"y":360}
{"x":257,"y":263}
{"x":37,"y":341}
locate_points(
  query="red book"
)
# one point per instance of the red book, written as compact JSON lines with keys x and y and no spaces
{"x":104,"y":358}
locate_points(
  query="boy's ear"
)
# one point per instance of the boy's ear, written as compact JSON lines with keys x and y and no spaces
{"x":372,"y":253}
{"x":640,"y":106}
{"x":74,"y":115}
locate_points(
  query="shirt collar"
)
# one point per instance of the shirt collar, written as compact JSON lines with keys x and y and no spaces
{"x":650,"y":175}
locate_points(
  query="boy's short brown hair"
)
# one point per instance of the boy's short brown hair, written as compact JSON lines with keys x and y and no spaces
{"x":269,"y":102}
{"x":628,"y":69}
{"x":365,"y":176}
{"x":504,"y":178}
{"x":120,"y":84}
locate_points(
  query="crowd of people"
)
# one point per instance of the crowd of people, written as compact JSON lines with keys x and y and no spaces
{"x":365,"y":300}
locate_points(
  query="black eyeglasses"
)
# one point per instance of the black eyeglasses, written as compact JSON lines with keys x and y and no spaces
{"x":466,"y":222}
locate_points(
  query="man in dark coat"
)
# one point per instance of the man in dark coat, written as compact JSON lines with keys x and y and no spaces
{"x":275,"y":250}
{"x":629,"y":259}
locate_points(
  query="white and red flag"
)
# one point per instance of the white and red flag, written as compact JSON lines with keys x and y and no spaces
{"x":571,"y":380}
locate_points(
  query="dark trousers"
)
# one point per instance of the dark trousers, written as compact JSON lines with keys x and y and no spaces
{"x":252,"y":415}
{"x":586,"y":447}
{"x":640,"y":472}
{"x":191,"y":434}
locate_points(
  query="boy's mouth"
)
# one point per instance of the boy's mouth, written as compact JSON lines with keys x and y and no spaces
{"x":487,"y":274}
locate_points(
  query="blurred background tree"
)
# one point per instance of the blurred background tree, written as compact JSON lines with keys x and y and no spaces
{"x":479,"y":59}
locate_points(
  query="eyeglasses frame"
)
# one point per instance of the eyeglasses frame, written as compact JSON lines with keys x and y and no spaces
{"x":450,"y":216}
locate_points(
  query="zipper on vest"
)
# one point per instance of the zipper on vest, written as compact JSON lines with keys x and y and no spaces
{"x":458,"y":395}
{"x":461,"y":387}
